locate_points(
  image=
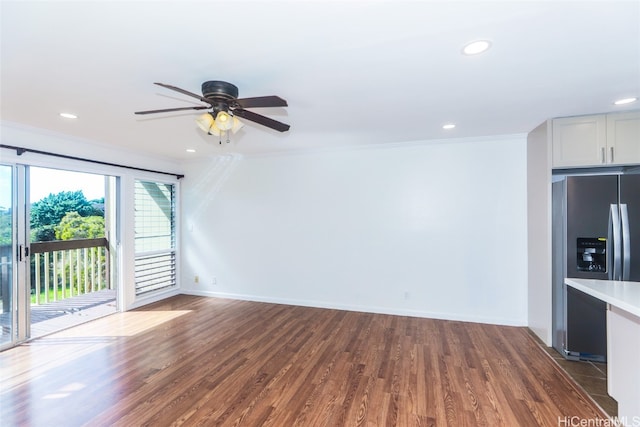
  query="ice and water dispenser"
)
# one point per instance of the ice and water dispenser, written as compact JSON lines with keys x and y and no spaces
{"x":592,"y":254}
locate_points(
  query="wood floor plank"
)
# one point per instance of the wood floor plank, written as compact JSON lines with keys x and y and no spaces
{"x":213,"y":362}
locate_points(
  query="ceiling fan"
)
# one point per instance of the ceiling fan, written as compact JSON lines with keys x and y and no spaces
{"x":222,"y":99}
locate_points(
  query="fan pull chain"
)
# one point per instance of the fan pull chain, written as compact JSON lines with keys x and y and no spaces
{"x":228,"y":139}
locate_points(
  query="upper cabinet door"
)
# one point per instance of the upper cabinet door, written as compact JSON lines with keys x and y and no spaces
{"x":579,"y":141}
{"x":623,"y":138}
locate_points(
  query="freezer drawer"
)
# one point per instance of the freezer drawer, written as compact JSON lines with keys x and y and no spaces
{"x":586,"y":328}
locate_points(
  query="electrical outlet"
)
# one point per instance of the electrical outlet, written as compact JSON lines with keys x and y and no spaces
{"x":196,"y":279}
{"x":214,"y":281}
{"x":407,"y":295}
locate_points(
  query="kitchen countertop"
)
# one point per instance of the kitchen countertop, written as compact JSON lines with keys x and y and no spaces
{"x":624,"y":295}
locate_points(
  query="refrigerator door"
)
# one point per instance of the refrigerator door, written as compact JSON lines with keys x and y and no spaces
{"x":588,"y":207}
{"x":630,"y":215}
{"x":589,"y":248}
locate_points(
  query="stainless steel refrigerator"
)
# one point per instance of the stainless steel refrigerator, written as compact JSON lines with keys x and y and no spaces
{"x":596,"y":235}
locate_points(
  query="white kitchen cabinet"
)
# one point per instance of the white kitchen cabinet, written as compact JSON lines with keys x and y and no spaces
{"x":596,"y":140}
{"x":623,"y":138}
{"x":579,"y":141}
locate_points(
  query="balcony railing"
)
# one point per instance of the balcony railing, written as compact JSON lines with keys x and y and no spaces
{"x":67,"y":268}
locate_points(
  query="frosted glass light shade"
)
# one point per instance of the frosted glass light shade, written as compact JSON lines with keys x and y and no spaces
{"x":205,"y":121}
{"x":207,"y":124}
{"x":213,"y":130}
{"x":237,"y":125}
{"x":224,"y":121}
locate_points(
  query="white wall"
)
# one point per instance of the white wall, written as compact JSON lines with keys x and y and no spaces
{"x":435,"y":229}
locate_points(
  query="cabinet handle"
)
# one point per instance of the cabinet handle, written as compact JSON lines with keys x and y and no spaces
{"x":611,"y":154}
{"x":602,"y":154}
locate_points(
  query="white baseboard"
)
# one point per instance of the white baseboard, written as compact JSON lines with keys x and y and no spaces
{"x":360,"y":308}
{"x":154,"y":297}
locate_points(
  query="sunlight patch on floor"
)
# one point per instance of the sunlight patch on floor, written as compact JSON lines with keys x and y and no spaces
{"x":42,"y":355}
{"x":124,"y":324}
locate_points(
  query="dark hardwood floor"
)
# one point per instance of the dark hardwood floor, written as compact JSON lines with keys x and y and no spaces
{"x":207,"y":361}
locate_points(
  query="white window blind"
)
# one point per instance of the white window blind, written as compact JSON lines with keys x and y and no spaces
{"x":155,"y":263}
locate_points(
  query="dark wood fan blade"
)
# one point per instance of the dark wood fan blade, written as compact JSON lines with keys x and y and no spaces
{"x":186,"y":92}
{"x":260,"y":101}
{"x":166,"y":110}
{"x":262,"y":120}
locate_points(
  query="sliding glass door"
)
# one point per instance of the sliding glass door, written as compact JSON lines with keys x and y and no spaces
{"x":69,"y":249}
{"x":56,"y":259}
{"x":7,"y":233}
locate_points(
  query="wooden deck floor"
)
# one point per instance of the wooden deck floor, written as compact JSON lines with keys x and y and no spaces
{"x":58,"y":315}
{"x":206,"y":361}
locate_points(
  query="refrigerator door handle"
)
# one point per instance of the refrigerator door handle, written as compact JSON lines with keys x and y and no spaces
{"x":613,"y":243}
{"x":626,"y":242}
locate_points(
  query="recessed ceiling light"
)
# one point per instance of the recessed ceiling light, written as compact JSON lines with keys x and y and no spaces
{"x":625,"y":101}
{"x":448,"y":126}
{"x":476,"y":47}
{"x":68,"y":116}
{"x":191,"y":150}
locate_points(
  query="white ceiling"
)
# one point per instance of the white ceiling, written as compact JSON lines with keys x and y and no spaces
{"x":353,"y":72}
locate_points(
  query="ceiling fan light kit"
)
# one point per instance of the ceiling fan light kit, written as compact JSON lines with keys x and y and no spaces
{"x":222,"y":99}
{"x":220,"y":124}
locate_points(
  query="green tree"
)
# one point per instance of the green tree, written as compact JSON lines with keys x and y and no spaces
{"x":74,"y":226}
{"x":47,"y":213}
{"x":5,"y":227}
